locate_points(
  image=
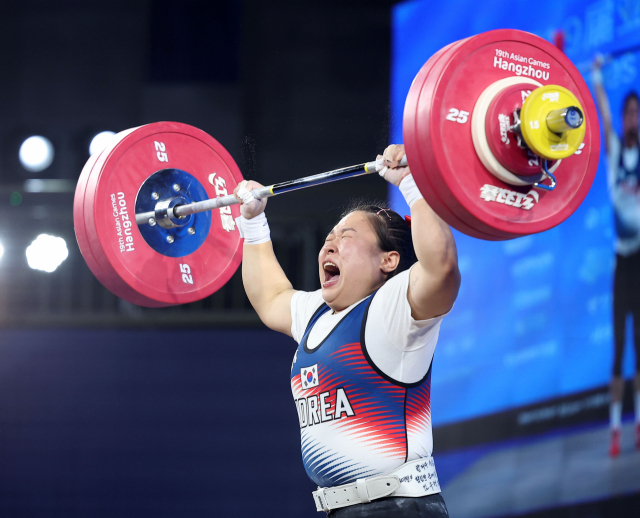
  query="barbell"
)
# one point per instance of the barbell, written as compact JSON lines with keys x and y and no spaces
{"x":500,"y":132}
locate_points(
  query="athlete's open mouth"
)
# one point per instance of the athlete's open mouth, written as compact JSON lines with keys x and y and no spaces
{"x":331,"y":274}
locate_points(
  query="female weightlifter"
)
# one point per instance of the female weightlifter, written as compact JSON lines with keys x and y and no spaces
{"x":361,"y":374}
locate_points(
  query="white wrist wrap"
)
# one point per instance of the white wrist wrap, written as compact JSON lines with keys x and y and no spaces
{"x":410,"y":190}
{"x":380,"y":167}
{"x":245,"y":195}
{"x":255,"y":230}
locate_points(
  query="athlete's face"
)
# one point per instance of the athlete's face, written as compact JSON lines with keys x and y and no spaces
{"x":350,"y":262}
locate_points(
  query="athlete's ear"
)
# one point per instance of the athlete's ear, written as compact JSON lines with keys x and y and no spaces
{"x":390,"y":261}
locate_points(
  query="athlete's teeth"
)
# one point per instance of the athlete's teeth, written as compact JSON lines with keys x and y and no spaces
{"x":331,"y":265}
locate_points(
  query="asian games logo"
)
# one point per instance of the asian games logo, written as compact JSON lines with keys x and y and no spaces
{"x":309,"y":377}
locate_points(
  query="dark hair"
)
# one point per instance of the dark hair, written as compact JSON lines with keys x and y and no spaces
{"x":631,"y":96}
{"x":392,"y":231}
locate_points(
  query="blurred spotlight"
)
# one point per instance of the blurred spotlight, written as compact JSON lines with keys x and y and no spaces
{"x":46,"y":253}
{"x":100,"y":141}
{"x":36,"y":153}
{"x":1,"y":250}
{"x":15,"y":199}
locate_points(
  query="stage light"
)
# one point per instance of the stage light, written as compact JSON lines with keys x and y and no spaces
{"x":36,"y":153}
{"x":1,"y":250}
{"x":100,"y":141}
{"x":46,"y":253}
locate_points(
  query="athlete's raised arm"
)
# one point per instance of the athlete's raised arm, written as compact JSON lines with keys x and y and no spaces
{"x":602,"y":100}
{"x":265,"y":283}
{"x":435,"y":280}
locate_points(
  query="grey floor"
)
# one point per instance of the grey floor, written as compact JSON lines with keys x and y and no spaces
{"x":556,"y":471}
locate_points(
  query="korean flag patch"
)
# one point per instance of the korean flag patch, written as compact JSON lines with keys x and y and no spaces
{"x":309,"y":377}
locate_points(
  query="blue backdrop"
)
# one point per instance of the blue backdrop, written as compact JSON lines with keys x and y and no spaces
{"x":533,"y":319}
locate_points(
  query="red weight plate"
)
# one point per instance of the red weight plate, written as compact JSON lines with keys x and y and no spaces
{"x":120,"y":172}
{"x":426,"y":78}
{"x":115,"y":281}
{"x":79,"y":220}
{"x":442,"y":149}
{"x":78,"y":207}
{"x":502,"y":143}
{"x":83,"y":232}
{"x":417,"y":128}
{"x":419,"y":147}
{"x":110,"y":279}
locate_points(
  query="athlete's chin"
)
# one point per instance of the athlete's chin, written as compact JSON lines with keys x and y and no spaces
{"x":331,"y":291}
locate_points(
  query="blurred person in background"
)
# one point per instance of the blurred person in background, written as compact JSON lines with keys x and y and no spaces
{"x":623,"y":168}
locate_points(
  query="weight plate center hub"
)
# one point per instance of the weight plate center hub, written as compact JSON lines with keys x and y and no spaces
{"x":496,"y":134}
{"x":167,"y":234}
{"x":512,"y":136}
{"x":552,"y":122}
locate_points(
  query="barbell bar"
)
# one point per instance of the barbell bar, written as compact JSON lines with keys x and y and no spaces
{"x":181,"y":211}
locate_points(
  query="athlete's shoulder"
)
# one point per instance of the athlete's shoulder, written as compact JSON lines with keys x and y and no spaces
{"x":303,"y":305}
{"x":395,"y":285}
{"x":305,"y":300}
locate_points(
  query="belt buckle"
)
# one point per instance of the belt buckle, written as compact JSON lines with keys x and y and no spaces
{"x":320,"y":500}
